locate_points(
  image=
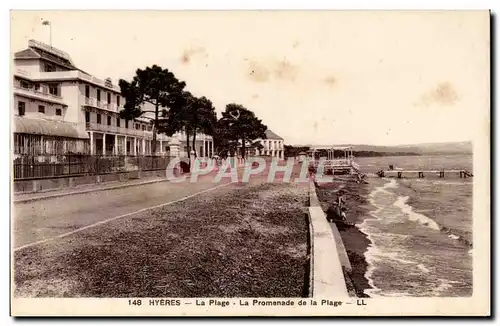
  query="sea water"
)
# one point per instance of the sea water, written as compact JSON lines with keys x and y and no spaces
{"x":421,"y":236}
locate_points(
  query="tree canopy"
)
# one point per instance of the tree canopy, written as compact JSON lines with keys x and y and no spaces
{"x":190,"y":114}
{"x":239,"y":124}
{"x":149,"y":88}
{"x":156,"y":94}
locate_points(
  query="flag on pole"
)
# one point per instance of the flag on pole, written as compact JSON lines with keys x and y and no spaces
{"x":45,"y":22}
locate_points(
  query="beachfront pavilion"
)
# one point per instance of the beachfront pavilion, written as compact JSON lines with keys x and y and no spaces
{"x":330,"y":151}
{"x":335,"y":164}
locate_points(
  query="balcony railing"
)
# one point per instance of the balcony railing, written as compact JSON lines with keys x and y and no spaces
{"x":341,"y":162}
{"x":102,"y":105}
{"x":68,"y":74}
{"x":94,"y":126}
{"x":99,"y":104}
{"x":40,"y":93}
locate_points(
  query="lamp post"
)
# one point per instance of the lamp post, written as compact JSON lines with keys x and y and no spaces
{"x":47,"y":23}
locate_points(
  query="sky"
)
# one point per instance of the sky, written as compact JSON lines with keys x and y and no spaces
{"x":315,"y":77}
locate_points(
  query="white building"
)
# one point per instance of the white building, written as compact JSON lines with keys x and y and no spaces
{"x":60,"y":109}
{"x":272,"y":146}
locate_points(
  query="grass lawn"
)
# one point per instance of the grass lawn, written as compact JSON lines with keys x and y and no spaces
{"x":236,"y":241}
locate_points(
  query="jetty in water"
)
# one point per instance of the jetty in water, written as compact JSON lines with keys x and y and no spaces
{"x":399,"y":173}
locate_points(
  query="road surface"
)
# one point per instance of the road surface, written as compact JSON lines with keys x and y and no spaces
{"x":44,"y":219}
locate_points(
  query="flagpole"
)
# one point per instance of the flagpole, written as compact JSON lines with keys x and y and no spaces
{"x":45,"y":23}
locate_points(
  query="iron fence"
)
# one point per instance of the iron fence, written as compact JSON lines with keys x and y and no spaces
{"x":48,"y":166}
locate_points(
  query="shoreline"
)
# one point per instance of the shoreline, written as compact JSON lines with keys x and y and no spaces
{"x":418,"y":201}
{"x":355,"y":241}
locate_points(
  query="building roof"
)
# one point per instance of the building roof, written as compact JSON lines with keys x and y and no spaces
{"x":57,"y":60}
{"x":272,"y":135}
{"x":38,"y":126}
{"x":39,"y":50}
{"x":329,"y":147}
{"x":27,"y":54}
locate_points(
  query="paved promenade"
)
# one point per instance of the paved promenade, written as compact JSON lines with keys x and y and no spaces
{"x":44,"y":219}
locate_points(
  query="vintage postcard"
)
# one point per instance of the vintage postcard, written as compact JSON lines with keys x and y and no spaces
{"x":250,"y":163}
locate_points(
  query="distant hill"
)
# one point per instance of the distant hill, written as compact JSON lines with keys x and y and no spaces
{"x":422,"y":149}
{"x":442,"y":148}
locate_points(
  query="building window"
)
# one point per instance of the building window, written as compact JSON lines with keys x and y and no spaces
{"x":25,"y":84}
{"x":109,"y":97}
{"x":49,"y":68}
{"x":118,"y":122}
{"x":137,"y":126}
{"x":21,"y":108}
{"x":99,"y":95}
{"x":37,"y":87}
{"x":58,"y":112}
{"x":53,"y":89}
{"x":87,"y":91}
{"x":143,"y":127}
{"x":109,"y":121}
{"x":41,"y":109}
{"x":126,"y":123}
{"x":98,"y":118}
{"x":87,"y":116}
{"x":118,"y":100}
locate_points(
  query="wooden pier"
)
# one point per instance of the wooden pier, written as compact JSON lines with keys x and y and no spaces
{"x":423,"y":173}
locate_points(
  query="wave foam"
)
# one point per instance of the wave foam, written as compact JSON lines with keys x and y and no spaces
{"x":380,"y":198}
{"x":443,"y":286}
{"x":414,"y":216}
{"x":371,"y":252}
{"x":423,"y":268}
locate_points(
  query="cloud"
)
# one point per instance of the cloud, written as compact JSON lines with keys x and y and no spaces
{"x":284,"y":70}
{"x":443,"y":94}
{"x":257,"y":72}
{"x":189,"y":53}
{"x":330,"y":80}
{"x":263,"y":71}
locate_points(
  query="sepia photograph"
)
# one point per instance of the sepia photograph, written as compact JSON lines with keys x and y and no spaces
{"x":312,"y":163}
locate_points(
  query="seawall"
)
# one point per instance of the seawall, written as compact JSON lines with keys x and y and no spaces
{"x":328,"y":256}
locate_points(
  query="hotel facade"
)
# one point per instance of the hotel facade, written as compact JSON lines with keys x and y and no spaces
{"x":59,"y":109}
{"x":272,"y":146}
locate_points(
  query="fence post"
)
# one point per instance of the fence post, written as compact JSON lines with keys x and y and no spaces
{"x":141,"y":166}
{"x":97,"y":168}
{"x":36,"y":186}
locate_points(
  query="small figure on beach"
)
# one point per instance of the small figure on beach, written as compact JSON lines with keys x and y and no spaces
{"x":337,"y":211}
{"x":340,"y":199}
{"x":343,"y":214}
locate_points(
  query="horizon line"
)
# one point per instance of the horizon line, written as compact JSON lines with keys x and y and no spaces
{"x":375,"y":145}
